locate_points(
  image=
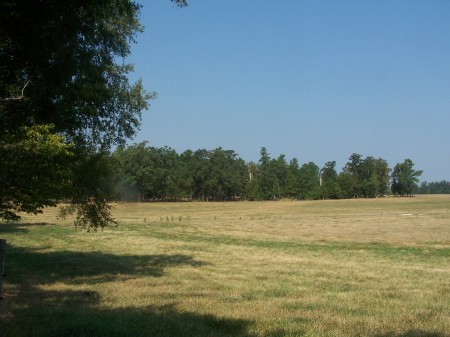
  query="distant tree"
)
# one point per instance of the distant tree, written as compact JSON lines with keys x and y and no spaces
{"x":330,"y":187}
{"x":405,"y":178}
{"x":353,"y":169}
{"x":292,"y":183}
{"x":309,"y":181}
{"x":201,"y":171}
{"x":251,"y":191}
{"x":281,"y":171}
{"x":382,"y":171}
{"x":178,"y":182}
{"x":346,"y":185}
{"x":163,"y":163}
{"x":370,"y":176}
{"x":135,"y":171}
{"x":434,"y":187}
{"x":267,"y":180}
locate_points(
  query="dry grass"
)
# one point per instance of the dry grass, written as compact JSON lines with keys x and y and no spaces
{"x":372,"y":267}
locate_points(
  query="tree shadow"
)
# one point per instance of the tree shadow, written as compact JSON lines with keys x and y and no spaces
{"x":413,"y":333}
{"x":29,"y":308}
{"x":18,"y":227}
{"x":25,"y":264}
{"x":79,"y":313}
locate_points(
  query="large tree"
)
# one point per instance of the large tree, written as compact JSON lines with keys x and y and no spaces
{"x":329,"y":185}
{"x":368,"y":177}
{"x":405,"y":178}
{"x":64,"y":78}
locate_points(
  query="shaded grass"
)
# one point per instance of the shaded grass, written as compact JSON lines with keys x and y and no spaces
{"x":352,"y":268}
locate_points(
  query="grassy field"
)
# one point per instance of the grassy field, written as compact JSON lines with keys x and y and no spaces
{"x":372,"y":267}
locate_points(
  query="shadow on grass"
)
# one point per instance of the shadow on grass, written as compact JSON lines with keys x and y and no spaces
{"x":31,"y":309}
{"x":17,"y":227}
{"x":78,"y":313}
{"x":86,"y":267}
{"x":413,"y":333}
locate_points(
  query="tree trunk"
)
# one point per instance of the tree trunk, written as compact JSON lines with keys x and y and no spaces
{"x":2,"y":263}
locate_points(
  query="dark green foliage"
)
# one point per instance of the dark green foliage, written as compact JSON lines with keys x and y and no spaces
{"x":328,"y":179}
{"x":434,"y":187}
{"x":34,"y":171}
{"x":309,"y":181}
{"x":148,"y":173}
{"x":365,"y":177}
{"x":90,"y":214}
{"x":405,"y":178}
{"x":65,"y":95}
{"x":61,"y":63}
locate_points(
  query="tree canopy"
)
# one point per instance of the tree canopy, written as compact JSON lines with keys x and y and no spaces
{"x":64,"y":81}
{"x":143,"y":172}
{"x":405,"y":178}
{"x":62,"y":63}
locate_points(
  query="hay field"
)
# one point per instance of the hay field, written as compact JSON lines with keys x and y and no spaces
{"x":369,"y":267}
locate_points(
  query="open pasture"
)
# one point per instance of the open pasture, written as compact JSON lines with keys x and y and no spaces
{"x":367,"y":267}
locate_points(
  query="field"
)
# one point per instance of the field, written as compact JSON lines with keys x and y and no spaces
{"x":369,"y":267}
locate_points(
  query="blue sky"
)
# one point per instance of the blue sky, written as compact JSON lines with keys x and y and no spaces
{"x":312,"y":79}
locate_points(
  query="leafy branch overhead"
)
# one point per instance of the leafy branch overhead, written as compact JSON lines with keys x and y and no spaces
{"x":63,"y":74}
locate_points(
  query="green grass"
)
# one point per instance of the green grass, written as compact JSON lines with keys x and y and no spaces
{"x":378,"y":267}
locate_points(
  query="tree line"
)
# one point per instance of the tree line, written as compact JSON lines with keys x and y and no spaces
{"x":141,"y":172}
{"x":434,"y":187}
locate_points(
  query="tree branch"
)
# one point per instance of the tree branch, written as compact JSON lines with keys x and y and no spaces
{"x":16,"y":98}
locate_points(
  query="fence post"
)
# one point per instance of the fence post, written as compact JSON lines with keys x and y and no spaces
{"x":2,"y":263}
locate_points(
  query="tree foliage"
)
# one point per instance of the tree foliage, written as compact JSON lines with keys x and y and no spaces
{"x":33,"y":170}
{"x":434,"y":187}
{"x":148,"y":173}
{"x":365,"y":177}
{"x":63,"y":63}
{"x":405,"y":178}
{"x":63,"y":77}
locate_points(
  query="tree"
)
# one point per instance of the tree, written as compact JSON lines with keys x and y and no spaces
{"x":25,"y":187}
{"x":63,"y":74}
{"x":252,"y":191}
{"x":383,"y":176}
{"x":272,"y":175}
{"x":405,"y":178}
{"x":62,"y":63}
{"x":292,"y":184}
{"x":369,"y":180}
{"x":266,"y":178}
{"x":135,"y":169}
{"x":309,"y":181}
{"x":330,"y":187}
{"x":353,"y":169}
{"x":280,"y":171}
{"x":434,"y":187}
{"x":370,"y":176}
{"x":346,"y":184}
{"x":229,"y":171}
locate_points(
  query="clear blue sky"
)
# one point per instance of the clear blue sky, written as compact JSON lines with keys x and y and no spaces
{"x":312,"y":79}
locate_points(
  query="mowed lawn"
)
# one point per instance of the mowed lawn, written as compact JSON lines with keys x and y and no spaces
{"x":369,"y":267}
